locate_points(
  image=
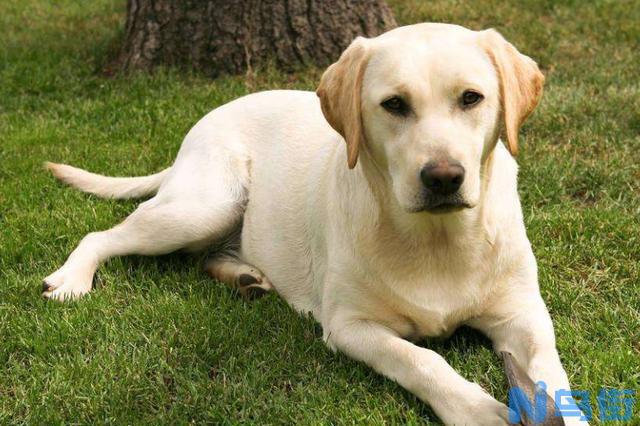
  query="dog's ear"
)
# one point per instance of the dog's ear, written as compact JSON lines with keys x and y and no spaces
{"x":340,"y":96}
{"x":521,"y":83}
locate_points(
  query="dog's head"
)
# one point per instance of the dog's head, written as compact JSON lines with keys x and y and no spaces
{"x":428,"y":103}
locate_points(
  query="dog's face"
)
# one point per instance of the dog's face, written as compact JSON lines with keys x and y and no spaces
{"x":428,"y":102}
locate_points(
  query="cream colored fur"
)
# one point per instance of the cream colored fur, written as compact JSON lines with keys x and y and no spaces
{"x":332,"y":209}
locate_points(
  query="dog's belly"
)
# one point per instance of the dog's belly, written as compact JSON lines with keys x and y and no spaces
{"x":278,"y":250}
{"x":278,"y":235}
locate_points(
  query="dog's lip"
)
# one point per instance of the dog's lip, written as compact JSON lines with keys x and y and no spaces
{"x":447,"y":208}
{"x":446,"y":205}
{"x":442,"y":208}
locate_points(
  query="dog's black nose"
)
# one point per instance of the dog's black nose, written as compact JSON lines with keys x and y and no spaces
{"x":443,"y":177}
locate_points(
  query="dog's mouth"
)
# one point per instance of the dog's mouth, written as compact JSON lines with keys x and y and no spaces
{"x":444,"y":204}
{"x":447,"y":208}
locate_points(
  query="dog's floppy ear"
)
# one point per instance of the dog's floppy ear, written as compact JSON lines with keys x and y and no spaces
{"x":340,"y":96}
{"x":520,"y":84}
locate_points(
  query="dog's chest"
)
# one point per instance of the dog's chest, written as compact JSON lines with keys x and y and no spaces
{"x":433,"y":297}
{"x":433,"y":310}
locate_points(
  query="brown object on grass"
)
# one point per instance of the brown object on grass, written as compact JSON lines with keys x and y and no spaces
{"x":517,"y":377}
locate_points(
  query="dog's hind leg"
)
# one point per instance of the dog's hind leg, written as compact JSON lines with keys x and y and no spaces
{"x":250,"y":282}
{"x":156,"y":227}
{"x":199,"y":206}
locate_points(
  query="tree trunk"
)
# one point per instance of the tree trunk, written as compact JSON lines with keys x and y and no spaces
{"x":232,"y":36}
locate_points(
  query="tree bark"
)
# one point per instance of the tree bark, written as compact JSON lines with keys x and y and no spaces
{"x":233,"y":36}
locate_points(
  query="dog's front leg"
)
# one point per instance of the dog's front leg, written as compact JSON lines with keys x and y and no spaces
{"x":522,"y":326}
{"x":421,"y":371}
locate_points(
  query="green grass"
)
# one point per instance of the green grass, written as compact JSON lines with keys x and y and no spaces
{"x":159,"y":342}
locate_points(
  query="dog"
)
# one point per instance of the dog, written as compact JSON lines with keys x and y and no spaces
{"x":384,"y":205}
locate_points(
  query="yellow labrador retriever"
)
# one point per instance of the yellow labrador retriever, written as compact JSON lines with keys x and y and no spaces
{"x":384,"y":206}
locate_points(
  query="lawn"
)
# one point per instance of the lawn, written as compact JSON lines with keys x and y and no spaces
{"x":159,"y":342}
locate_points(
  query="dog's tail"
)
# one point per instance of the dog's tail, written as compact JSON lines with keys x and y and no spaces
{"x":106,"y":186}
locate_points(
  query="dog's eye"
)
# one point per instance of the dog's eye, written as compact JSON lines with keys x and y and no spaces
{"x":470,"y":98}
{"x":396,"y":105}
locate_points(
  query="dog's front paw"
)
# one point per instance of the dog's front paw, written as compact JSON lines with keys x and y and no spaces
{"x":575,"y":421}
{"x":67,"y":283}
{"x":474,"y":407}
